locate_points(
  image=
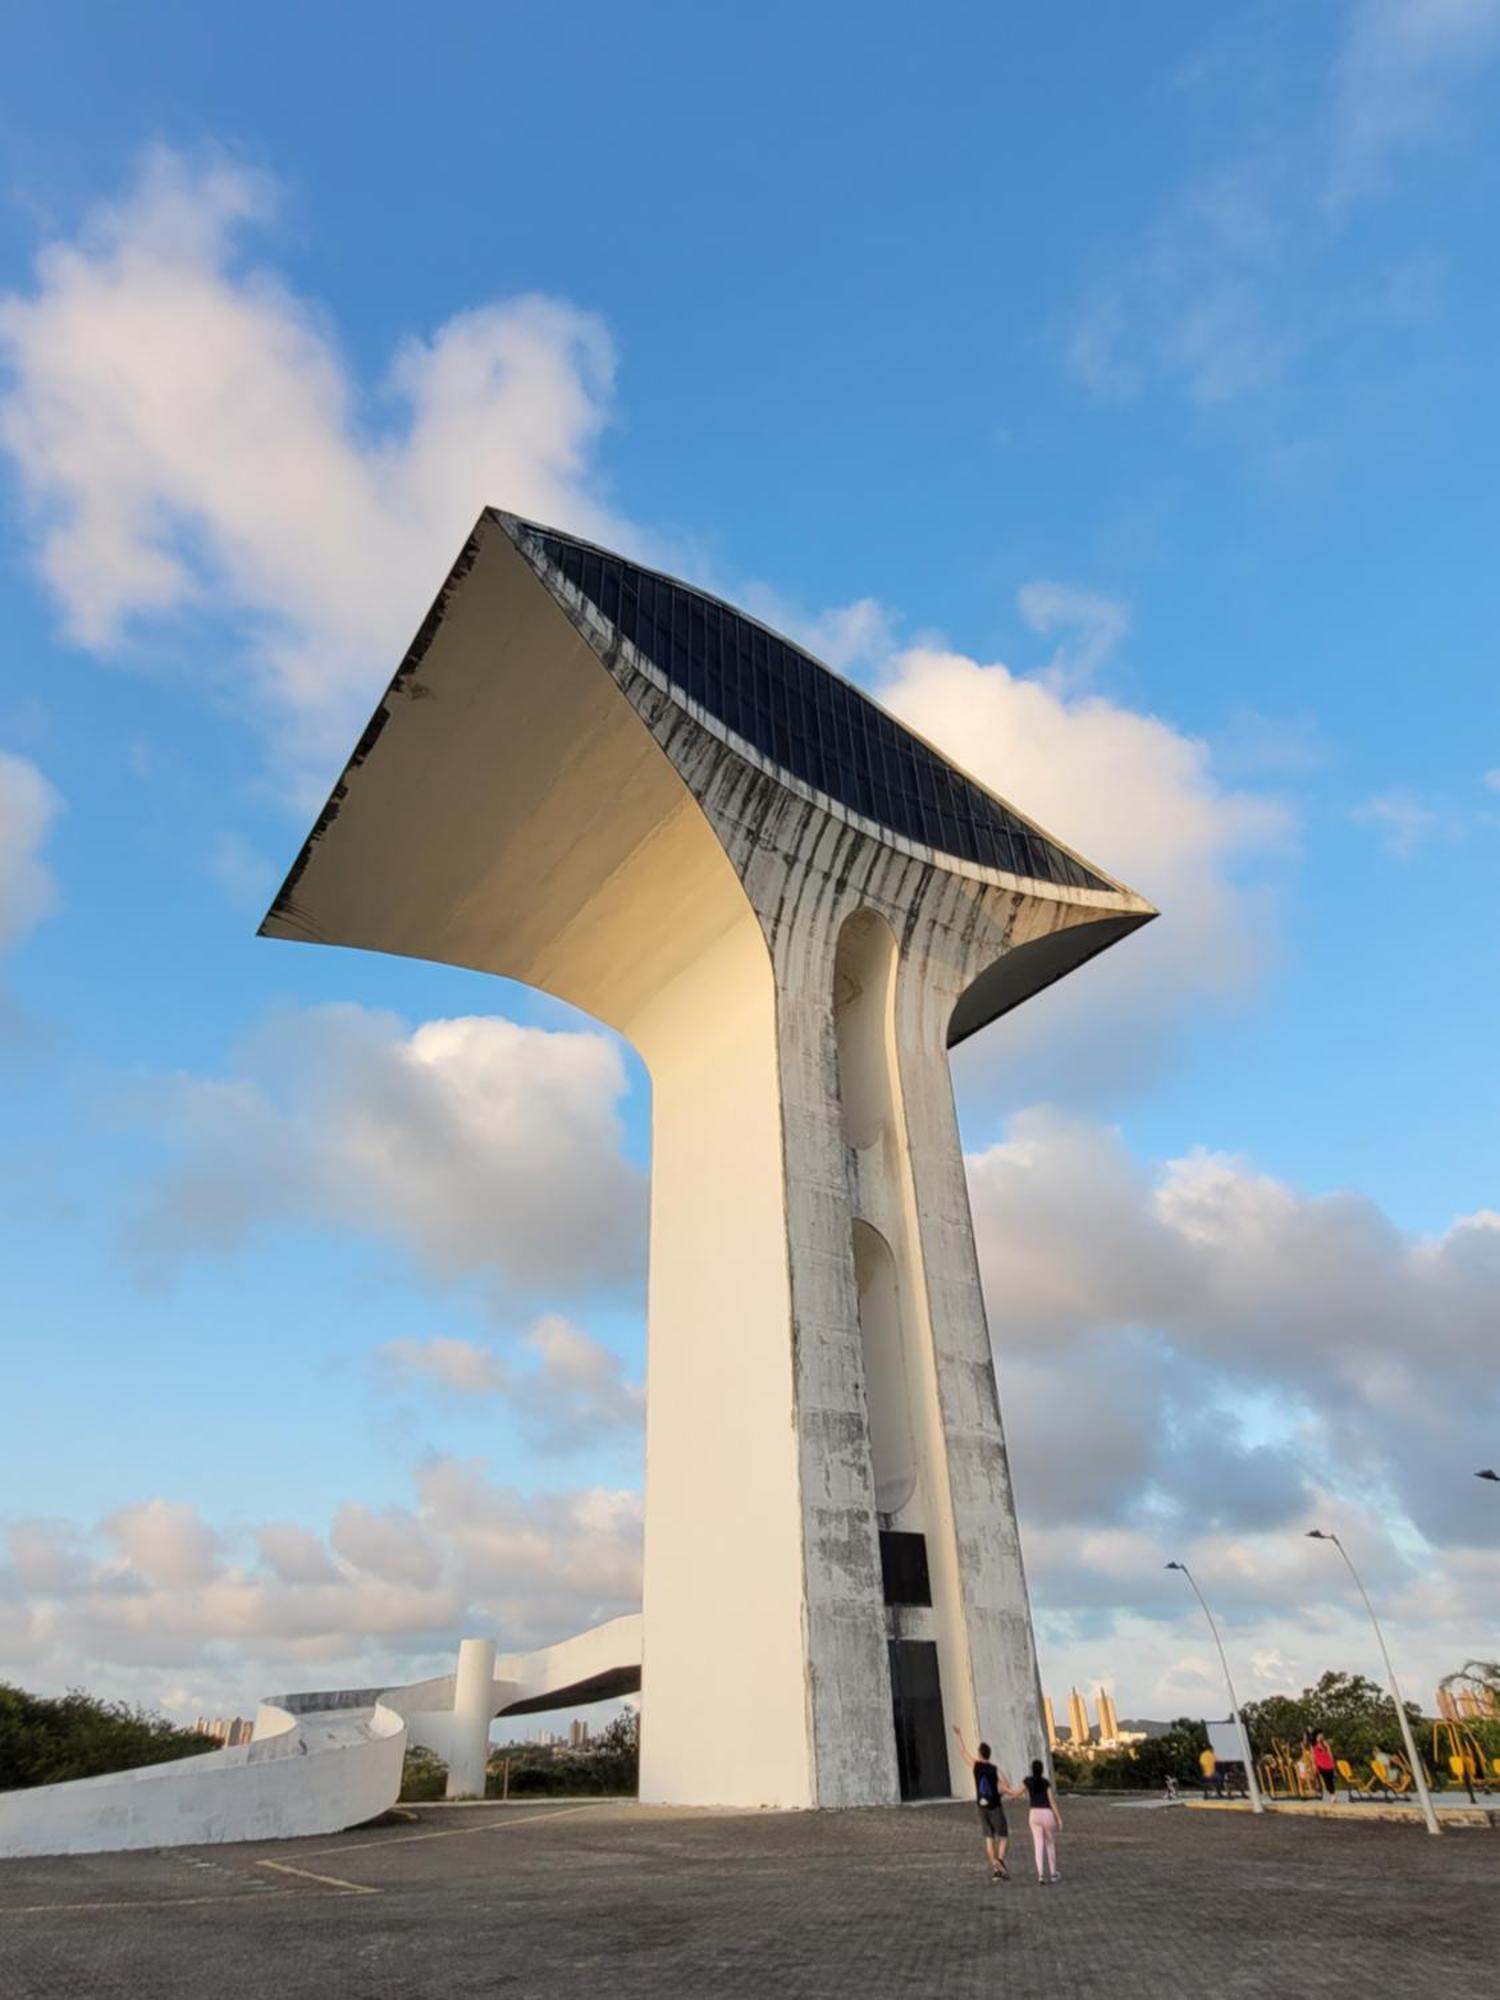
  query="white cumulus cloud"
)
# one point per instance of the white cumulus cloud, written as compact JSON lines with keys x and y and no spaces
{"x":1399,"y":74}
{"x":481,"y":1146}
{"x":1196,"y":1360}
{"x":164,"y":1542}
{"x":1220,"y":292}
{"x":1140,"y":798}
{"x":1225,"y":1346}
{"x":569,"y":1389}
{"x":1091,"y":625}
{"x":1402,"y":821}
{"x":156,"y":1604}
{"x":189,"y":434}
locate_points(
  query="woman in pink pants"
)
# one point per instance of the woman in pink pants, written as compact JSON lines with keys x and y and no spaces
{"x":1046,"y":1821}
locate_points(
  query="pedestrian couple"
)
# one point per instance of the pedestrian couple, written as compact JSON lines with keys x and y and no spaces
{"x":992,"y":1788}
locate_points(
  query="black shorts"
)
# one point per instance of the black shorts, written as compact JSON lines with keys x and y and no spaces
{"x":992,"y":1819}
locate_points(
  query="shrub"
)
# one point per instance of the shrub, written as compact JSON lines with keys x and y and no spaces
{"x":47,"y":1740}
{"x":1357,"y":1717}
{"x":610,"y":1765}
{"x":424,"y":1776}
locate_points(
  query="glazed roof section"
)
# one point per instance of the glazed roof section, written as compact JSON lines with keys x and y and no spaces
{"x":805,"y":719}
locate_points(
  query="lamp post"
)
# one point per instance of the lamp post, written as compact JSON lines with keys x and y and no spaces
{"x":1251,"y":1782}
{"x":1419,"y":1776}
{"x":1489,"y":1473}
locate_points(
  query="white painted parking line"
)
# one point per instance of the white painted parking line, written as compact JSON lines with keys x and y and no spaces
{"x":259,"y":1892}
{"x":328,"y":1881}
{"x":459,"y":1832}
{"x":263,"y":1892}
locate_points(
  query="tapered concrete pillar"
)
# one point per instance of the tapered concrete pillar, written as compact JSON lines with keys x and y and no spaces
{"x":613,"y":787}
{"x":473,"y":1711}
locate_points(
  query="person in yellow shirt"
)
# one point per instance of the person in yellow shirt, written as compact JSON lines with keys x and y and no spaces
{"x":1208,"y":1765}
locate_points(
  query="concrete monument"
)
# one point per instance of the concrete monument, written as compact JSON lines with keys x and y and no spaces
{"x":613,"y":787}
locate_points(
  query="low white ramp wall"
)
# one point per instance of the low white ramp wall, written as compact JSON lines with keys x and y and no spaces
{"x":306,"y":1774}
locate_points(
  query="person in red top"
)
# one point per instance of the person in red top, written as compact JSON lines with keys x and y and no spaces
{"x":1323,"y":1759}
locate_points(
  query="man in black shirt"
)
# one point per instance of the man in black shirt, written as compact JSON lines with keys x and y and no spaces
{"x":990,"y":1787}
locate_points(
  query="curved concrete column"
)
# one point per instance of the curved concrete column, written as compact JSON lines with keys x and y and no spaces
{"x":473,"y":1709}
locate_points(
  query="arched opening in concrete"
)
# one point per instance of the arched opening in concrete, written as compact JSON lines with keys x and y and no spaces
{"x":864,"y":980}
{"x":865,"y":966}
{"x":893,"y":1445}
{"x":893,"y":1345}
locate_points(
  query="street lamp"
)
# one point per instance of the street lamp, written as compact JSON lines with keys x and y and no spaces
{"x":1419,"y":1775}
{"x":1489,"y":1473}
{"x":1256,"y":1803}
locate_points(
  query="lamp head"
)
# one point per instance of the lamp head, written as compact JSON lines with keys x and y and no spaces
{"x":1489,"y":1473}
{"x":1174,"y":1565}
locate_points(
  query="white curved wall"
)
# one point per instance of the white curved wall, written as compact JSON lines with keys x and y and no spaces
{"x":315,"y":1774}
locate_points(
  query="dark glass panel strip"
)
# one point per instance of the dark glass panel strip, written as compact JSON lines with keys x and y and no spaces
{"x":806,"y":720}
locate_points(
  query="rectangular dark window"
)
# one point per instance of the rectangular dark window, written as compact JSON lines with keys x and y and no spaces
{"x":903,"y":1568}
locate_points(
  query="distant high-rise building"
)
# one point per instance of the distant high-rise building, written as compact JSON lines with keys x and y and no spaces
{"x":1080,"y":1739}
{"x":225,"y":1731}
{"x":1078,"y":1717}
{"x":1109,"y":1722}
{"x":578,"y":1735}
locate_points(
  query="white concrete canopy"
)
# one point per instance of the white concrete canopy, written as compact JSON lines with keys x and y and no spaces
{"x":600,"y":782}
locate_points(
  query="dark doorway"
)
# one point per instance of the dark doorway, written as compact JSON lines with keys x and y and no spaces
{"x":917,"y":1701}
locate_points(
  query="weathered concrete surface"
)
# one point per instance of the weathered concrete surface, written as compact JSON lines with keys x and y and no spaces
{"x":551,"y":1902}
{"x":536,"y":798}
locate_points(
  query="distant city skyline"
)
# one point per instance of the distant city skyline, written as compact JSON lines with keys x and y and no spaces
{"x":1107,"y":1732}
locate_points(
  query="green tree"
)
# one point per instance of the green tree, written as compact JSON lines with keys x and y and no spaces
{"x":611,"y":1765}
{"x":616,"y":1757}
{"x":424,"y":1775}
{"x":1144,"y":1766}
{"x":1173,"y":1754}
{"x":46,"y":1740}
{"x":1356,"y":1715}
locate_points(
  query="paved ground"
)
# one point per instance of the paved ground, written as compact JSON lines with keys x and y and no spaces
{"x":543,"y":1900}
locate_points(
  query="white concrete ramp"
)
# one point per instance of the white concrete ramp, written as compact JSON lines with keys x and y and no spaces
{"x":318,"y":1763}
{"x":298,"y":1775}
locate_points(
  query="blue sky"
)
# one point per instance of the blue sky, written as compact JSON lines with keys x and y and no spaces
{"x":1113,"y":391}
